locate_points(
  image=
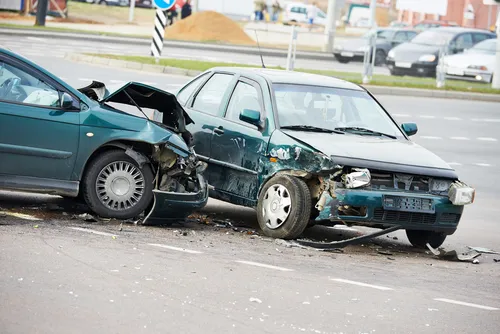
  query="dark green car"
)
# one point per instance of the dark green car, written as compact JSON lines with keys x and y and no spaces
{"x":93,"y":143}
{"x":306,"y":149}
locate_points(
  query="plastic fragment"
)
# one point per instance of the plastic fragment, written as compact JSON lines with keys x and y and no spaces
{"x":255,"y":300}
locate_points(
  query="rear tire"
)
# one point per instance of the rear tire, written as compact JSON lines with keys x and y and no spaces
{"x":380,"y":58}
{"x":419,"y":239}
{"x":114,"y":186}
{"x":284,"y":207}
{"x":342,"y":60}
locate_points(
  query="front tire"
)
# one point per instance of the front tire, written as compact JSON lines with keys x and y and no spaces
{"x":419,"y":239}
{"x":114,"y":186}
{"x":284,"y":207}
{"x":342,"y":60}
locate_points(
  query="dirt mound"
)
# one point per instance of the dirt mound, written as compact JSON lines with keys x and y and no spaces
{"x":208,"y":26}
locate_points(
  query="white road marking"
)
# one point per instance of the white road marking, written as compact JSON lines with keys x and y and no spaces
{"x":427,"y":116}
{"x":459,"y":138}
{"x":486,"y":139}
{"x":480,"y":164}
{"x":430,"y":137}
{"x":268,"y":266}
{"x":454,"y":164}
{"x":149,"y":83}
{"x":401,"y":115}
{"x":176,"y":249}
{"x":87,"y":230}
{"x":451,"y":301}
{"x":85,"y":79}
{"x":360,"y":284}
{"x":38,"y":39}
{"x":20,"y":215}
{"x":489,"y":120}
{"x":452,"y":118}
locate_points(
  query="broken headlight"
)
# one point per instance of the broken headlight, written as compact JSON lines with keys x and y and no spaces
{"x":439,"y":185}
{"x":359,"y":177}
{"x":461,"y":194}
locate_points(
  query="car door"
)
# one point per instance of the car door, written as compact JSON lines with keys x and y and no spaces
{"x":205,"y":107}
{"x":399,"y":37}
{"x":238,"y":146}
{"x":38,"y":138}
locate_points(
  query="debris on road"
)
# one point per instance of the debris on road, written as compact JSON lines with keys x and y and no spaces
{"x":496,"y":260}
{"x":384,"y":252}
{"x":483,"y":250}
{"x":85,"y":217}
{"x":255,"y":300}
{"x":453,"y":255}
{"x":54,"y":207}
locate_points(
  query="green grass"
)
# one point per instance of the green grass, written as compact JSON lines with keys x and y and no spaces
{"x":377,"y":80}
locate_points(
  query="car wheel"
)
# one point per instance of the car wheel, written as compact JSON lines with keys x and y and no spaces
{"x":114,"y":186}
{"x":419,"y":239}
{"x":103,"y":3}
{"x":284,"y":207}
{"x":395,"y":73}
{"x":380,"y":58}
{"x":342,"y":60}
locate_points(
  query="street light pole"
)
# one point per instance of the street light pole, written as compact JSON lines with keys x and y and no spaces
{"x":330,"y":26}
{"x":373,"y":8}
{"x":41,"y":12}
{"x":131,"y":11}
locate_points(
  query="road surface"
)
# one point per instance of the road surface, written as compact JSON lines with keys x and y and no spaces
{"x":63,"y":275}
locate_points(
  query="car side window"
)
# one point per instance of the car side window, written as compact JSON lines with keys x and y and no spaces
{"x":245,"y":96}
{"x":188,"y":90}
{"x":410,"y":35}
{"x":480,"y":37}
{"x":18,"y":86}
{"x":464,"y":41}
{"x":209,"y":98}
{"x":400,"y":37}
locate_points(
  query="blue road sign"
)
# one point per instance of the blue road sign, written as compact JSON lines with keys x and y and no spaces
{"x":164,"y":4}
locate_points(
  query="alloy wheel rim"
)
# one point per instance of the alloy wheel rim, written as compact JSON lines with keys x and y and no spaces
{"x":120,"y":185}
{"x":276,"y":207}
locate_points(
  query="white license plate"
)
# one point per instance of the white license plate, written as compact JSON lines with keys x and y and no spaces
{"x":455,"y":71}
{"x":401,"y":64}
{"x":347,"y":54}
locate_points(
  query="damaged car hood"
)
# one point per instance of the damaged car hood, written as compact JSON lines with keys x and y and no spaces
{"x":375,"y":152}
{"x":141,"y":96}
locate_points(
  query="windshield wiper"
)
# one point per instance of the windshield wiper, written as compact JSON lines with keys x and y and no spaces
{"x":311,"y":128}
{"x":354,"y":128}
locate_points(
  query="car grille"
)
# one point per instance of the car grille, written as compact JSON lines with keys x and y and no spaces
{"x":414,"y":217}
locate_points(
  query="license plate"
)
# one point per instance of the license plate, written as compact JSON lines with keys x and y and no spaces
{"x":401,"y":64}
{"x":347,"y":54}
{"x":409,"y":204}
{"x":455,"y":71}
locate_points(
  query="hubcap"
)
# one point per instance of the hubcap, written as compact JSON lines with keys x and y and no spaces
{"x":120,"y":185}
{"x":276,"y":206}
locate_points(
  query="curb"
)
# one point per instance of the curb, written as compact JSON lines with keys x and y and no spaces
{"x":375,"y":90}
{"x":310,"y":55}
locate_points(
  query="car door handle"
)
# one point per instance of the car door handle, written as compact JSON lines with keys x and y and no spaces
{"x":219,"y":130}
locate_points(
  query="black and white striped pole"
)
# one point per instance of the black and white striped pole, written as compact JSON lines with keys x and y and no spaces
{"x":159,"y":28}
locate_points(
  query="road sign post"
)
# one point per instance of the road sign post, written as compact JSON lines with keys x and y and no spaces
{"x":292,"y":50}
{"x":159,"y":26}
{"x":369,"y":59}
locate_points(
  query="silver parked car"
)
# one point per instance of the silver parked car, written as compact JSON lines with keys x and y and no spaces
{"x":474,"y":64}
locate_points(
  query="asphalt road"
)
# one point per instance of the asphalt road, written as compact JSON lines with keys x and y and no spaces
{"x":95,"y":278}
{"x":54,"y":48}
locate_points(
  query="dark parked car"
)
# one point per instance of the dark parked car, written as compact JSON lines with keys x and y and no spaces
{"x":387,"y":38}
{"x":306,"y":149}
{"x":59,"y":140}
{"x":420,"y":56}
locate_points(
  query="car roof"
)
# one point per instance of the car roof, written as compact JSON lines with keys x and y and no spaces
{"x":460,"y":30}
{"x":290,"y":77}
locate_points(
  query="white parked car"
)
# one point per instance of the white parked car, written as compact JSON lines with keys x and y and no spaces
{"x":474,"y":64}
{"x":296,"y":12}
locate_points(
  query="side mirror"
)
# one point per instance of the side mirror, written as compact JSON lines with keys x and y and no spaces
{"x":250,"y":116}
{"x":409,"y":128}
{"x":66,"y":101}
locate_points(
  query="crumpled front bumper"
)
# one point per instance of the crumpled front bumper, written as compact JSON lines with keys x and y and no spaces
{"x":173,"y":206}
{"x":444,"y":218}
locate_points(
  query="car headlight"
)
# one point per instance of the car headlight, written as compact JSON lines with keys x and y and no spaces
{"x":391,"y":54}
{"x":439,"y":185}
{"x":478,"y":67}
{"x":427,"y":58}
{"x":461,"y":194}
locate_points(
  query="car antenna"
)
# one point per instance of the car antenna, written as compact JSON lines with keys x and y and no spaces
{"x":260,"y":53}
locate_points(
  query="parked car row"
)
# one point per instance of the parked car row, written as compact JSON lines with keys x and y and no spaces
{"x":302,"y":149}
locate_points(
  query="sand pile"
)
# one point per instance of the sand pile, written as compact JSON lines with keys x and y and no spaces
{"x":208,"y":26}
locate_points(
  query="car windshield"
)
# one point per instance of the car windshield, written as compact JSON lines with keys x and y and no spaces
{"x":433,"y":37}
{"x":488,"y":46}
{"x":331,"y":108}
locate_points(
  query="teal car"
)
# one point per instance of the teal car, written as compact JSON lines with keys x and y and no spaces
{"x":306,"y":149}
{"x":97,"y":143}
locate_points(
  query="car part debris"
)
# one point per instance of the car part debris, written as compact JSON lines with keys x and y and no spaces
{"x":384,"y":252}
{"x":85,"y":217}
{"x":496,"y":260}
{"x":483,"y":250}
{"x":255,"y":300}
{"x":359,"y":178}
{"x":344,"y":243}
{"x":461,"y":194}
{"x":453,"y":255}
